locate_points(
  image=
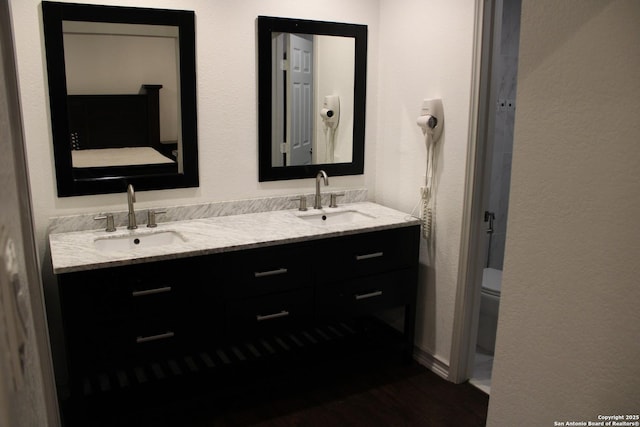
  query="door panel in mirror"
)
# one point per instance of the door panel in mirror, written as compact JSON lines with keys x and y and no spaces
{"x":301,"y":62}
{"x":122,"y":93}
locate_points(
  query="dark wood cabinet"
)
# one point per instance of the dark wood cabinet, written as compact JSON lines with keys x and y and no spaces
{"x":116,"y":315}
{"x":183,"y":321}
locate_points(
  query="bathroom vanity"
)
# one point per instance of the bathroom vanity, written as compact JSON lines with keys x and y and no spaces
{"x":228,"y":298}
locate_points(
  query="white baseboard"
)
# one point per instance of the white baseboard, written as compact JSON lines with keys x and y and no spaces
{"x":431,"y":362}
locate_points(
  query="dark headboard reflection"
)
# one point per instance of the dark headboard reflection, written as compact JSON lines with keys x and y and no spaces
{"x":106,"y":119}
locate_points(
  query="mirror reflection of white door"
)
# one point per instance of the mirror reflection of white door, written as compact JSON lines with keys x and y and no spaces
{"x":300,"y":99}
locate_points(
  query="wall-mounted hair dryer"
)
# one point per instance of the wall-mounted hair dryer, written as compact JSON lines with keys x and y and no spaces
{"x":431,"y":118}
{"x":330,"y":111}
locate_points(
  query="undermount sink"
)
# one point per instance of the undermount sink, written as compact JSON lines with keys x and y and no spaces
{"x":335,"y":218}
{"x":137,"y":240}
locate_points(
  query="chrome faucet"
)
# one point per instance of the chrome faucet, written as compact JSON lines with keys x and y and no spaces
{"x":131,"y":198}
{"x":318,"y":200}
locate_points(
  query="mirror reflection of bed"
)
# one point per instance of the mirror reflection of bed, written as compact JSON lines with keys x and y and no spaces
{"x":113,"y":134}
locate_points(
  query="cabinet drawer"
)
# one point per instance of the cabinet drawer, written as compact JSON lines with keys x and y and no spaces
{"x":270,"y":312}
{"x":123,"y":291}
{"x":369,"y":253}
{"x":108,"y":343}
{"x":267,"y":270}
{"x":366,"y":295}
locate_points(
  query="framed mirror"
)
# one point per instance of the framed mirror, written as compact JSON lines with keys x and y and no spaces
{"x":122,"y":92}
{"x":312,"y":78}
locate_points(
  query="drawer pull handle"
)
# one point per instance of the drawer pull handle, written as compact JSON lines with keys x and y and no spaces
{"x":369,"y":256}
{"x":283,"y":313}
{"x":270,"y":273}
{"x":151,"y":291}
{"x":369,"y":295}
{"x":166,"y":335}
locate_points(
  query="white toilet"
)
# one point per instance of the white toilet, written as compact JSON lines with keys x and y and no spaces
{"x":489,"y":305}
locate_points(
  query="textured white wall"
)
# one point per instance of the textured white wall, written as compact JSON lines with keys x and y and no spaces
{"x":227,"y":99}
{"x":568,"y":344}
{"x":426,"y":52}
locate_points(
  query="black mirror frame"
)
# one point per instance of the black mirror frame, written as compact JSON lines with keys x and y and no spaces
{"x":53,"y":14}
{"x":268,"y":25}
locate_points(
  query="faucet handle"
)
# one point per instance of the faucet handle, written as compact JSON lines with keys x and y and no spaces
{"x":334,"y":197}
{"x":303,"y":202}
{"x":110,"y":223}
{"x":151,"y":217}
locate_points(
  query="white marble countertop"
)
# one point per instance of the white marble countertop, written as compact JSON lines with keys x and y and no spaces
{"x":77,"y":251}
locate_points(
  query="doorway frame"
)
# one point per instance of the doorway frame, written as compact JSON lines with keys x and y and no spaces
{"x":40,"y":343}
{"x":472,"y":251}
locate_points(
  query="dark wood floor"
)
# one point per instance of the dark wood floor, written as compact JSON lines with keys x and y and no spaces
{"x":383,"y":395}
